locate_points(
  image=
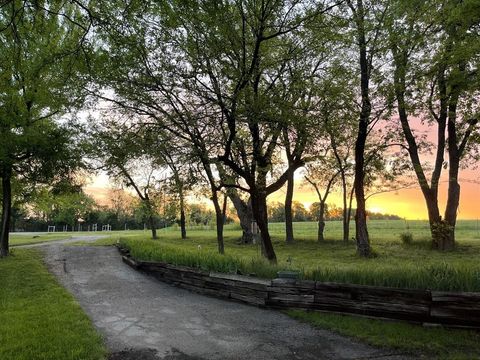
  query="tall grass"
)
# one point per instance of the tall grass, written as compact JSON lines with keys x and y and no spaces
{"x":203,"y":259}
{"x":435,"y":276}
{"x":441,"y":276}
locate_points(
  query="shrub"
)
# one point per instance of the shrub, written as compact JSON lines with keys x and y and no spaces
{"x":406,"y":237}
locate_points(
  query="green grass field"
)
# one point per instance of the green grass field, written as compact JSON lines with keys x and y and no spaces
{"x":402,"y":337}
{"x":39,"y":319}
{"x":27,"y":239}
{"x":395,"y":264}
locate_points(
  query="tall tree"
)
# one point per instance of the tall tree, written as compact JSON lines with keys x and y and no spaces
{"x":122,"y":155}
{"x":322,"y":175}
{"x":368,"y":19}
{"x":40,"y":80}
{"x":219,"y":85}
{"x":435,"y":62}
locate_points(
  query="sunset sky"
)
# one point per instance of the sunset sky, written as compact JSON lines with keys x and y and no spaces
{"x":407,"y":203}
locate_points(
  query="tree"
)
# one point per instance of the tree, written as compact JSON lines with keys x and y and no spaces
{"x":368,"y":23}
{"x":177,"y":158}
{"x":40,"y":67}
{"x":220,"y":85}
{"x":63,"y":202}
{"x":435,"y":62}
{"x":322,"y":174}
{"x":121,"y":153}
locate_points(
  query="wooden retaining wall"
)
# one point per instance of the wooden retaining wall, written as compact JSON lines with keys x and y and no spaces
{"x":422,"y":306}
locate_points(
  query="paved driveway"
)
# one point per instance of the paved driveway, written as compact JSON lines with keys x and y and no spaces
{"x":147,"y":319}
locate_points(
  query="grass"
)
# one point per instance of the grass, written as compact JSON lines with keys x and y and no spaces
{"x":39,"y":319}
{"x":27,"y":239}
{"x":412,"y":265}
{"x":396,"y":264}
{"x":438,"y":343}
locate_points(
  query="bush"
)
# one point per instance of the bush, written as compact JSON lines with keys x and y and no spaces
{"x":406,"y":237}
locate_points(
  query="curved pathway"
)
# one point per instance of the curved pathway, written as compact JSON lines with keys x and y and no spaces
{"x":142,"y":318}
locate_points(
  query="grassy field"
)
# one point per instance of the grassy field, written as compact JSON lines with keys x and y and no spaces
{"x":394,"y":264}
{"x":427,"y":343}
{"x":38,"y":318}
{"x":27,"y":239}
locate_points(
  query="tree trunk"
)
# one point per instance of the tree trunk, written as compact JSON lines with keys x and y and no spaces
{"x":219,"y":220}
{"x":349,"y":212}
{"x":321,"y":222}
{"x":430,"y":193}
{"x":288,"y":209}
{"x":453,"y":198}
{"x":363,"y":243}
{"x":259,"y":208}
{"x":346,"y":214}
{"x":183,"y":227}
{"x":224,"y":208}
{"x":153,"y":228}
{"x":6,"y":212}
{"x":244,"y":212}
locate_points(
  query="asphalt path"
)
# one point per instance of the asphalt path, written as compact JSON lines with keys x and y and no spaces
{"x":143,"y":318}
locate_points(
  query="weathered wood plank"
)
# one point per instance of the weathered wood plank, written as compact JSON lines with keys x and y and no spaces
{"x":292,"y":298}
{"x":130,"y":262}
{"x":291,"y":283}
{"x":249,"y":292}
{"x":248,"y":299}
{"x":206,"y":291}
{"x":240,"y":278}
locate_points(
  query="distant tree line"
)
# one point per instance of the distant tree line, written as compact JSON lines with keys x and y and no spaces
{"x":276,"y":213}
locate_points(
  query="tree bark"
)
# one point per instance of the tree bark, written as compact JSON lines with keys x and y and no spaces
{"x":346,"y":213}
{"x":224,"y":208}
{"x":430,"y":193}
{"x":183,"y":227}
{"x":153,"y":228}
{"x":6,"y":212}
{"x":219,"y":221}
{"x":363,"y":243}
{"x":244,"y":212}
{"x":454,"y":155}
{"x":259,"y":208}
{"x":321,"y":222}
{"x":288,"y":209}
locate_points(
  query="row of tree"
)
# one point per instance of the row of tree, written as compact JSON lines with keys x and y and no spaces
{"x":231,"y":98}
{"x":276,"y":213}
{"x":67,"y":207}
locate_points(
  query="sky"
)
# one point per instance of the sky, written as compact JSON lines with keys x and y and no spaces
{"x":406,"y":203}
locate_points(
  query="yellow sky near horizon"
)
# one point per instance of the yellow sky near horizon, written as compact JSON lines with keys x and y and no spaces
{"x":406,"y":203}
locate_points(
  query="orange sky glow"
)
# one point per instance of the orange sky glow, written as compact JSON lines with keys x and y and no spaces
{"x":406,"y":203}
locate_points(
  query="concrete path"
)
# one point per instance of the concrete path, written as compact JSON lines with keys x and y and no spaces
{"x":142,"y":318}
{"x":73,"y":239}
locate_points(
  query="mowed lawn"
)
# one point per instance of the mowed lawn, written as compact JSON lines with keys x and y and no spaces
{"x":39,"y":319}
{"x":35,"y":238}
{"x":393,"y":264}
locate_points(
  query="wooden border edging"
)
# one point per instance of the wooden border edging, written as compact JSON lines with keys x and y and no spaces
{"x":421,"y":306}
